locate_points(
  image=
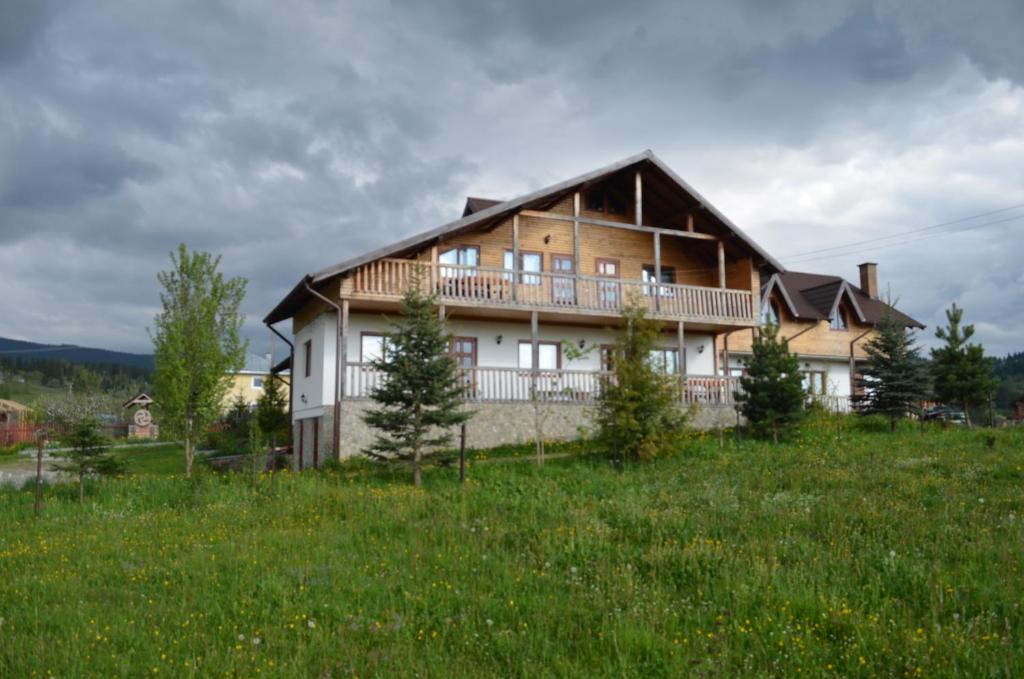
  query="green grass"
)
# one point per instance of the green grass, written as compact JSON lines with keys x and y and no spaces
{"x":874,"y":555}
{"x":162,"y":460}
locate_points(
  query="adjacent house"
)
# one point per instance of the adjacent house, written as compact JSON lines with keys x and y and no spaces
{"x":249,"y":381}
{"x":532,"y":288}
{"x":827,"y":321}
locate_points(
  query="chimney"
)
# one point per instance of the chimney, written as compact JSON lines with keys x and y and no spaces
{"x":869,"y":279}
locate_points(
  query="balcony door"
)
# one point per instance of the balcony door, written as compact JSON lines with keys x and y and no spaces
{"x":609,"y":293}
{"x":463,"y":350}
{"x":563,"y":290}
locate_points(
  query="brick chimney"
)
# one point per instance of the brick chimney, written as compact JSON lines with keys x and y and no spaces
{"x":869,"y":279}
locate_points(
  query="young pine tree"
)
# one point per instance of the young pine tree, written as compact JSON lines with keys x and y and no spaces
{"x":420,"y":393}
{"x":895,"y":379}
{"x":87,"y":454}
{"x":772,"y":394}
{"x":272,"y":411}
{"x":638,"y":414}
{"x":961,"y":373}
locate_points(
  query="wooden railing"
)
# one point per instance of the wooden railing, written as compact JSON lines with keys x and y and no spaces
{"x":490,"y":287}
{"x":510,"y":385}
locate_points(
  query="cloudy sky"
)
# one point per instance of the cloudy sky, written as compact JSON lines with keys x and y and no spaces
{"x":289,"y":136}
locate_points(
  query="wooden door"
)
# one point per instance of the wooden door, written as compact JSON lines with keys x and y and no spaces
{"x":608,"y":292}
{"x":563,"y":288}
{"x":463,"y":350}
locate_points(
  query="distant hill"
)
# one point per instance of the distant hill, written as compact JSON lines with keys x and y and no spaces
{"x":18,"y":349}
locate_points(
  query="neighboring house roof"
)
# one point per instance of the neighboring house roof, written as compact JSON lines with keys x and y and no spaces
{"x":140,"y":399}
{"x":7,"y":406}
{"x":664,"y":182}
{"x":284,"y":366}
{"x":474,"y":205}
{"x":256,"y":364}
{"x":812,"y":296}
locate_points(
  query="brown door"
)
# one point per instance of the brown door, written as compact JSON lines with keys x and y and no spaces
{"x":608,"y":292}
{"x":563,"y":291}
{"x":464,"y":352}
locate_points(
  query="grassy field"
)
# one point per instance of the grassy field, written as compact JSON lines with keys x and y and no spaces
{"x":872,"y":555}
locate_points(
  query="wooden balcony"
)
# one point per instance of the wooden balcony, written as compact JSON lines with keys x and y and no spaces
{"x":490,"y":287}
{"x":516,"y":385}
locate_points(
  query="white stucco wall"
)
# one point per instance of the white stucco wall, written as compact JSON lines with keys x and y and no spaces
{"x":837,"y":372}
{"x":311,"y":394}
{"x":506,"y":355}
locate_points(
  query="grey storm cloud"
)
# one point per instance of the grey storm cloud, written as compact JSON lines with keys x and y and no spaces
{"x":289,"y":136}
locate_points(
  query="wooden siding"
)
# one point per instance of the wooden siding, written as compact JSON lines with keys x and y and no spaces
{"x":817,"y":338}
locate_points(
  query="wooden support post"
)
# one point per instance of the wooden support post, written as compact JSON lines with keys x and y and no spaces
{"x":462,"y":453}
{"x":681,"y":365}
{"x":725,"y":356}
{"x":689,"y":222}
{"x":440,"y":312}
{"x":755,"y":292}
{"x":576,"y":247}
{"x":342,"y":349}
{"x":515,"y":257}
{"x":534,"y":344}
{"x":721,"y":264}
{"x":639,"y":197}
{"x":657,"y":270}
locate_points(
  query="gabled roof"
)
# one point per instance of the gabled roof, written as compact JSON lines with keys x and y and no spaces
{"x":812,"y":296}
{"x":140,"y":399}
{"x":474,"y":205}
{"x":256,"y":364}
{"x":666,"y":181}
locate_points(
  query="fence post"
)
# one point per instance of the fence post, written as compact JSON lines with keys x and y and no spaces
{"x":40,"y":442}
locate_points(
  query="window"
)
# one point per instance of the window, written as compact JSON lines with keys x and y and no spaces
{"x":838,"y":321}
{"x":608,"y":291}
{"x":308,"y":355}
{"x":548,"y":354}
{"x":461,"y":256}
{"x":257,"y":382}
{"x":463,"y":350}
{"x":814,"y":382}
{"x":770,"y":313}
{"x":603,"y":201}
{"x":668,"y":275}
{"x":562,"y":290}
{"x":665,"y":361}
{"x":607,"y":357}
{"x":372,"y":347}
{"x":529,"y":262}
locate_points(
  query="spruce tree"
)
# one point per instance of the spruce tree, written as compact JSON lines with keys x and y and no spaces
{"x":638,"y":412}
{"x":772,"y":395}
{"x":895,"y":379}
{"x":272,"y":410}
{"x":420,"y":393}
{"x":961,"y":373}
{"x":87,"y":454}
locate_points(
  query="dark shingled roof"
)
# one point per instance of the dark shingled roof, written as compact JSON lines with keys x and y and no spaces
{"x":813,"y":296}
{"x":478,"y":204}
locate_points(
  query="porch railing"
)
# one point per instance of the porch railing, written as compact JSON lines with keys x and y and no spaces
{"x":512,"y":385}
{"x":501,"y":287}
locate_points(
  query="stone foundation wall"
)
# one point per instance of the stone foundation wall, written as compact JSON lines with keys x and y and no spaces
{"x":493,"y":424}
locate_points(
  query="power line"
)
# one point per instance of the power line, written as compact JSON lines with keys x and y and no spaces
{"x":804,"y":260}
{"x":905,"y":233}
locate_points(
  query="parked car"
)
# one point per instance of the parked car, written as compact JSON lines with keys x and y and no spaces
{"x":944,"y":414}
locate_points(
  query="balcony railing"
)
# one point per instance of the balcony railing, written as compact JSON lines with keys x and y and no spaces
{"x":513,"y":385}
{"x":501,"y":287}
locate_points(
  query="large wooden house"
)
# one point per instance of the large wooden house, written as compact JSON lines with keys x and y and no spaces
{"x":522,"y":280}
